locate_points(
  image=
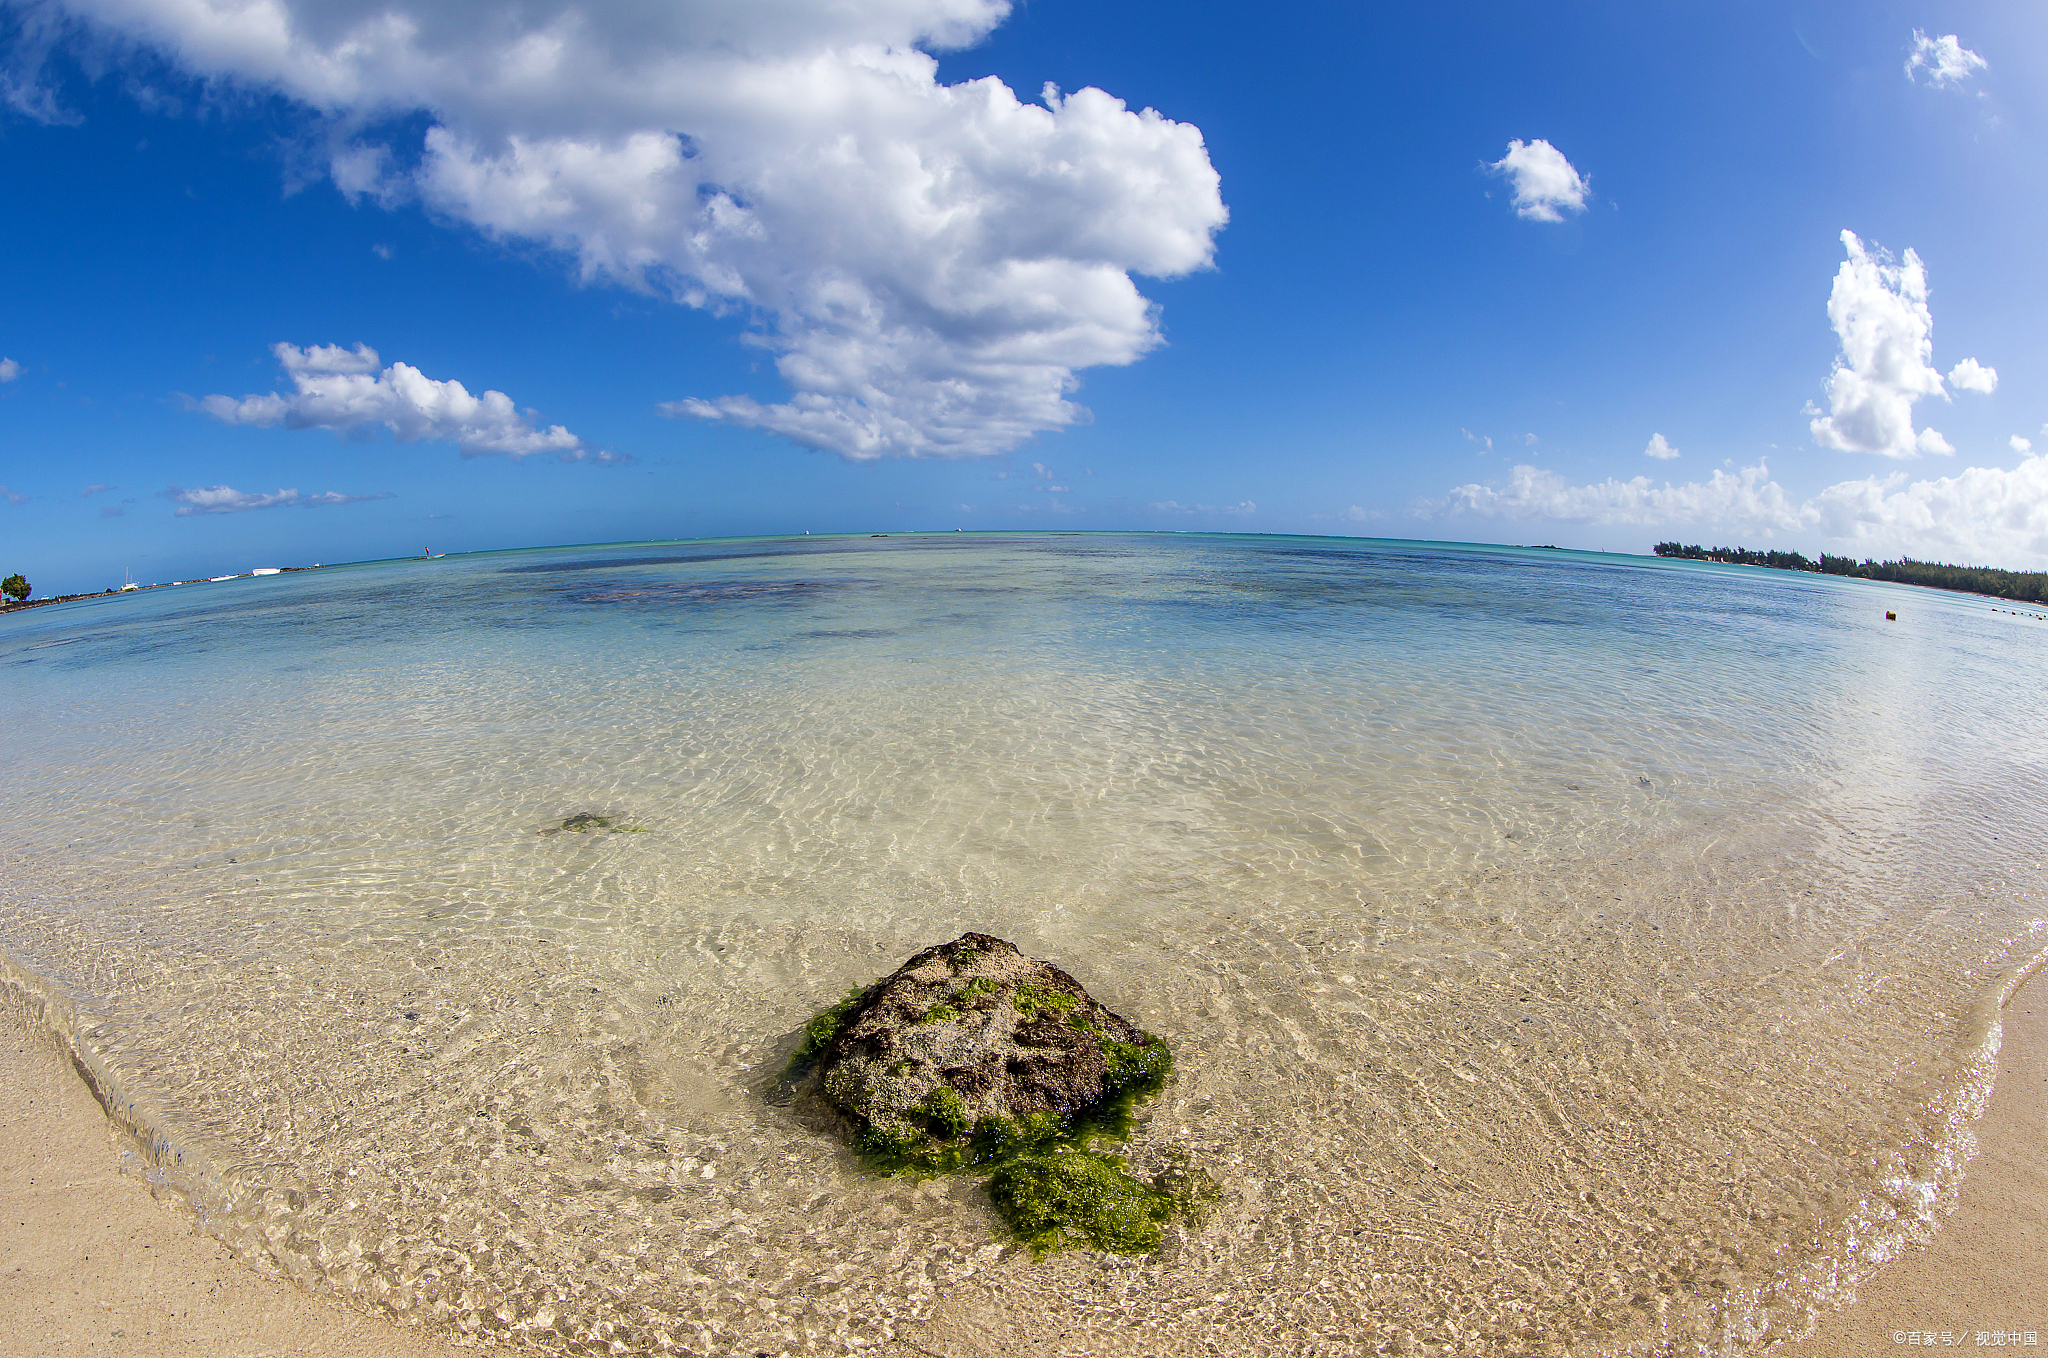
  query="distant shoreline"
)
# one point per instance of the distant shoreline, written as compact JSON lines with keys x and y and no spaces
{"x":12,"y":606}
{"x":1991,"y":582}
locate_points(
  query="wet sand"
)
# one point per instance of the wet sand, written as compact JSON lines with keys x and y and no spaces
{"x":1987,"y":1271}
{"x":91,"y":1263}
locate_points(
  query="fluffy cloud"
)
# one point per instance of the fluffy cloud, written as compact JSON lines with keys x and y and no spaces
{"x":1970,"y":375}
{"x":13,"y":497}
{"x":1659,"y":449}
{"x":929,"y":263}
{"x":1879,"y":310}
{"x":1546,"y":185}
{"x":9,"y":370}
{"x":228,"y":500}
{"x":1942,"y":62}
{"x":93,"y":490}
{"x":2022,"y":445}
{"x":344,"y":390}
{"x":1982,"y":515}
{"x":1749,"y":497}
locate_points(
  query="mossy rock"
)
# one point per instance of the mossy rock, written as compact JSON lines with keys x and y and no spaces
{"x":971,"y":1042}
{"x":972,"y":1056}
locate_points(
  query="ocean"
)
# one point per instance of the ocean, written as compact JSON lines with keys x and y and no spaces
{"x":1563,"y":952}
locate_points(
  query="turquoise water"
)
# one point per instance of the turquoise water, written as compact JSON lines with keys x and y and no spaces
{"x":1563,"y":950}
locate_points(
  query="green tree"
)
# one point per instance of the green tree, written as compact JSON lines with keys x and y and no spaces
{"x":15,"y":588}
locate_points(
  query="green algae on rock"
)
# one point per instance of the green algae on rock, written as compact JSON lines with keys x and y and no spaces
{"x":818,"y":1034}
{"x":972,"y":1056}
{"x":1076,"y":1197}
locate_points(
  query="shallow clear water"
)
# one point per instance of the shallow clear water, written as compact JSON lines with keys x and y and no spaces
{"x":1564,"y":952}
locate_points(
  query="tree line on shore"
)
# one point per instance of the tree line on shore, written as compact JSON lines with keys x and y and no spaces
{"x":2027,"y":586}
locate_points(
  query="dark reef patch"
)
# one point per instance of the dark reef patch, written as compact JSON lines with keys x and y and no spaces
{"x":712,"y":592}
{"x":627,"y":562}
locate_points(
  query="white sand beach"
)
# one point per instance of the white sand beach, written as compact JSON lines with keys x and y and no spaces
{"x":92,"y":1263}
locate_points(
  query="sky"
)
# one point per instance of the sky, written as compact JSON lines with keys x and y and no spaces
{"x":285,"y":281}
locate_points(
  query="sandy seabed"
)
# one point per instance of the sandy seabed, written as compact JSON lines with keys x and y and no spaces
{"x":92,"y":1263}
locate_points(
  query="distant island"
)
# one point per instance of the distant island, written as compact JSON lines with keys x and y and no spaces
{"x":2025,"y":586}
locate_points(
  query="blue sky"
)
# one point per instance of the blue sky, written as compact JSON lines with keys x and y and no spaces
{"x":777,"y":266}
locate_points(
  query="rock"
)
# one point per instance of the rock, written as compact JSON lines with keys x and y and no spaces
{"x":587,"y":822}
{"x":973,"y":1057}
{"x":972,"y":1053}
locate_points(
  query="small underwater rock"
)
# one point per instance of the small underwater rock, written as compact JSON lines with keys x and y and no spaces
{"x":586,"y":822}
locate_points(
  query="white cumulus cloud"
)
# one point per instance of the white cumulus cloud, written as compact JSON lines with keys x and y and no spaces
{"x":1981,"y":515}
{"x":1970,"y":375}
{"x":346,"y":390}
{"x":929,"y":264}
{"x":1748,"y":497}
{"x":228,"y":500}
{"x":1879,"y":311}
{"x":9,"y":370}
{"x":1546,"y":186}
{"x":2021,"y":445}
{"x":1943,"y":62}
{"x":1984,"y":516}
{"x":1659,"y":449}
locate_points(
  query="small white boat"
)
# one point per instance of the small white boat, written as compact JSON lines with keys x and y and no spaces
{"x":268,"y":570}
